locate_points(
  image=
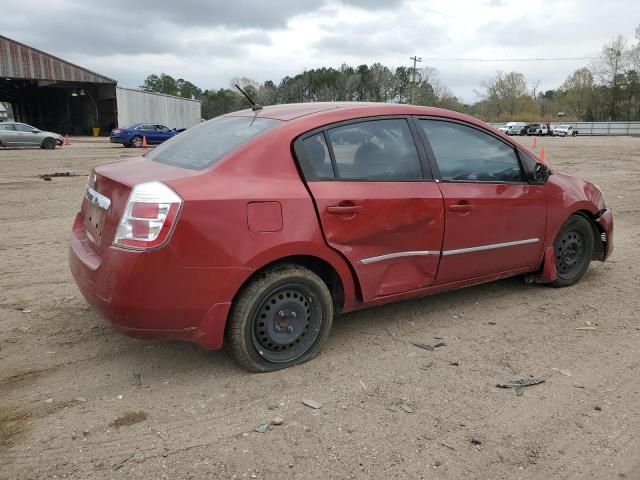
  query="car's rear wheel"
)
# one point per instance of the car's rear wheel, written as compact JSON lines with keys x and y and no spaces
{"x":136,"y":142}
{"x":281,"y":318}
{"x":48,"y":143}
{"x":573,"y":248}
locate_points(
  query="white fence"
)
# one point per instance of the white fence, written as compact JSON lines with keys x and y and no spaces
{"x":600,"y":128}
{"x":135,"y":106}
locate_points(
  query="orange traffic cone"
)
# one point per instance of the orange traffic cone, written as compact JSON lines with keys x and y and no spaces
{"x":542,"y":155}
{"x":535,"y":142}
{"x":67,"y":140}
{"x":144,"y":142}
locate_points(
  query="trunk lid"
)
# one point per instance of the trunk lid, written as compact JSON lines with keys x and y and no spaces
{"x":108,"y":189}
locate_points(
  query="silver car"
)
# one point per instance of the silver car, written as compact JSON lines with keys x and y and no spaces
{"x":13,"y":134}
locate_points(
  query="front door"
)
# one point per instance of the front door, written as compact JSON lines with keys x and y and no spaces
{"x":376,"y":202}
{"x":495,"y":220}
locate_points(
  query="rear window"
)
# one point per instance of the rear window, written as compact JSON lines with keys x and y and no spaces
{"x":203,"y":145}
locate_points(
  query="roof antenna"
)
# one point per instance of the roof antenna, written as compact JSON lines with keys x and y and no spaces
{"x":254,"y":106}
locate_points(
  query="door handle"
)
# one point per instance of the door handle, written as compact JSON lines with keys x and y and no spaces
{"x":344,"y":209}
{"x":461,"y":207}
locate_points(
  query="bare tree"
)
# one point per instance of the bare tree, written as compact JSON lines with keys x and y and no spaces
{"x":609,"y":67}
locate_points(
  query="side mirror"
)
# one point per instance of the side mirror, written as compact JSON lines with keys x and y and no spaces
{"x":35,"y":131}
{"x":541,"y":173}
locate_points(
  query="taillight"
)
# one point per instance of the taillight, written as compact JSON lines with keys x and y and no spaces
{"x":149,"y":216}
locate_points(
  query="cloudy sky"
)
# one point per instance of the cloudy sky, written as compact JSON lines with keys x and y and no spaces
{"x":211,"y":41}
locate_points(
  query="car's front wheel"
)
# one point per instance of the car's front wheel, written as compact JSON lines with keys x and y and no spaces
{"x":281,"y":318}
{"x":573,"y":248}
{"x":48,"y":143}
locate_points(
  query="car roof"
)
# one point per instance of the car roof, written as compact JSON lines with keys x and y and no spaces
{"x":321,"y":110}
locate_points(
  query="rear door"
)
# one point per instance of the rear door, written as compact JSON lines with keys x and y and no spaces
{"x":7,"y":134}
{"x":149,"y":132}
{"x":376,"y":201}
{"x":495,"y":220}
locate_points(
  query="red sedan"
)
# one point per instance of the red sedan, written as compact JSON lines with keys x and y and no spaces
{"x":257,"y":227}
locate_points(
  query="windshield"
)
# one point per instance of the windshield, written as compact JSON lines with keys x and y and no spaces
{"x":203,"y":145}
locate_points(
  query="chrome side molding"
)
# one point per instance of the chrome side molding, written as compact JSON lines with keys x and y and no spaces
{"x":480,"y":248}
{"x":389,"y":256}
{"x":419,"y":253}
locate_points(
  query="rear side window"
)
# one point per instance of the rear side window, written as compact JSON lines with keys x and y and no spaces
{"x":317,"y":155}
{"x":466,"y":154}
{"x":375,"y":150}
{"x":6,"y":126}
{"x":203,"y":145}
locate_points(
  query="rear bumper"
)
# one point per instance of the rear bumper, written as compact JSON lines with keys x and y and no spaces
{"x":149,"y":294}
{"x":605,"y":221}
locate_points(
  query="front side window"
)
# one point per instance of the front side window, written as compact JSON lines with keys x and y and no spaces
{"x":203,"y":145}
{"x":466,"y":154}
{"x":375,"y":150}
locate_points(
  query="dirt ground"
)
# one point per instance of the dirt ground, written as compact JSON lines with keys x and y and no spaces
{"x":80,"y":400}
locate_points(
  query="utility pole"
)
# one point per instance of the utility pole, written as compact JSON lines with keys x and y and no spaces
{"x":413,"y":76}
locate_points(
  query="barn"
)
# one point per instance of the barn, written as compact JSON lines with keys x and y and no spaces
{"x":53,"y":94}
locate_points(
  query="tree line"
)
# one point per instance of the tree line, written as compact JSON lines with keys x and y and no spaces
{"x":607,"y":89}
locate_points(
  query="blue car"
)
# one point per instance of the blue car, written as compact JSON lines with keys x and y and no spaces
{"x":132,"y":136}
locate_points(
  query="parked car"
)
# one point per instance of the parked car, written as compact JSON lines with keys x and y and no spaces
{"x":565,"y":131}
{"x":14,"y":134}
{"x":133,"y":135}
{"x":518,"y":128}
{"x":255,"y":228}
{"x":537,"y":129}
{"x":505,"y":128}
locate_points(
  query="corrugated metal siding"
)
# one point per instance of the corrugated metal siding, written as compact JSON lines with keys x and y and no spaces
{"x":136,"y":106}
{"x":22,"y":62}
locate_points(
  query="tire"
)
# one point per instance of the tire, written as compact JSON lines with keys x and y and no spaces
{"x":136,"y":142}
{"x":573,"y":248}
{"x":540,"y":133}
{"x":126,"y":145}
{"x":48,"y":143}
{"x":574,"y":134}
{"x":280,"y":319}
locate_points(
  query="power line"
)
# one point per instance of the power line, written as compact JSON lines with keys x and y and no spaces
{"x":536,"y":59}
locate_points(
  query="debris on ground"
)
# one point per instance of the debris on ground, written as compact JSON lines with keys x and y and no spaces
{"x":277,"y":421}
{"x":262,"y":426}
{"x":520,"y":384}
{"x":137,"y":379}
{"x":585,"y":328}
{"x":562,"y":371}
{"x":426,"y":346}
{"x":598,"y":408}
{"x":312,"y":404}
{"x":455,"y":363}
{"x":121,"y":463}
{"x":407,"y":408}
{"x":48,"y":176}
{"x":476,"y":441}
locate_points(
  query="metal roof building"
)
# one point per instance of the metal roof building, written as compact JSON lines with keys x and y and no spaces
{"x":57,"y":95}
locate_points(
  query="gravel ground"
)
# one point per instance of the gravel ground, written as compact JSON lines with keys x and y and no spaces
{"x":79,"y":400}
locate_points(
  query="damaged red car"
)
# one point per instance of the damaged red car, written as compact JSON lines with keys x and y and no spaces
{"x":256,"y":228}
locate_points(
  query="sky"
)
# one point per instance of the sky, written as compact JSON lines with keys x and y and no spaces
{"x":209,"y":42}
